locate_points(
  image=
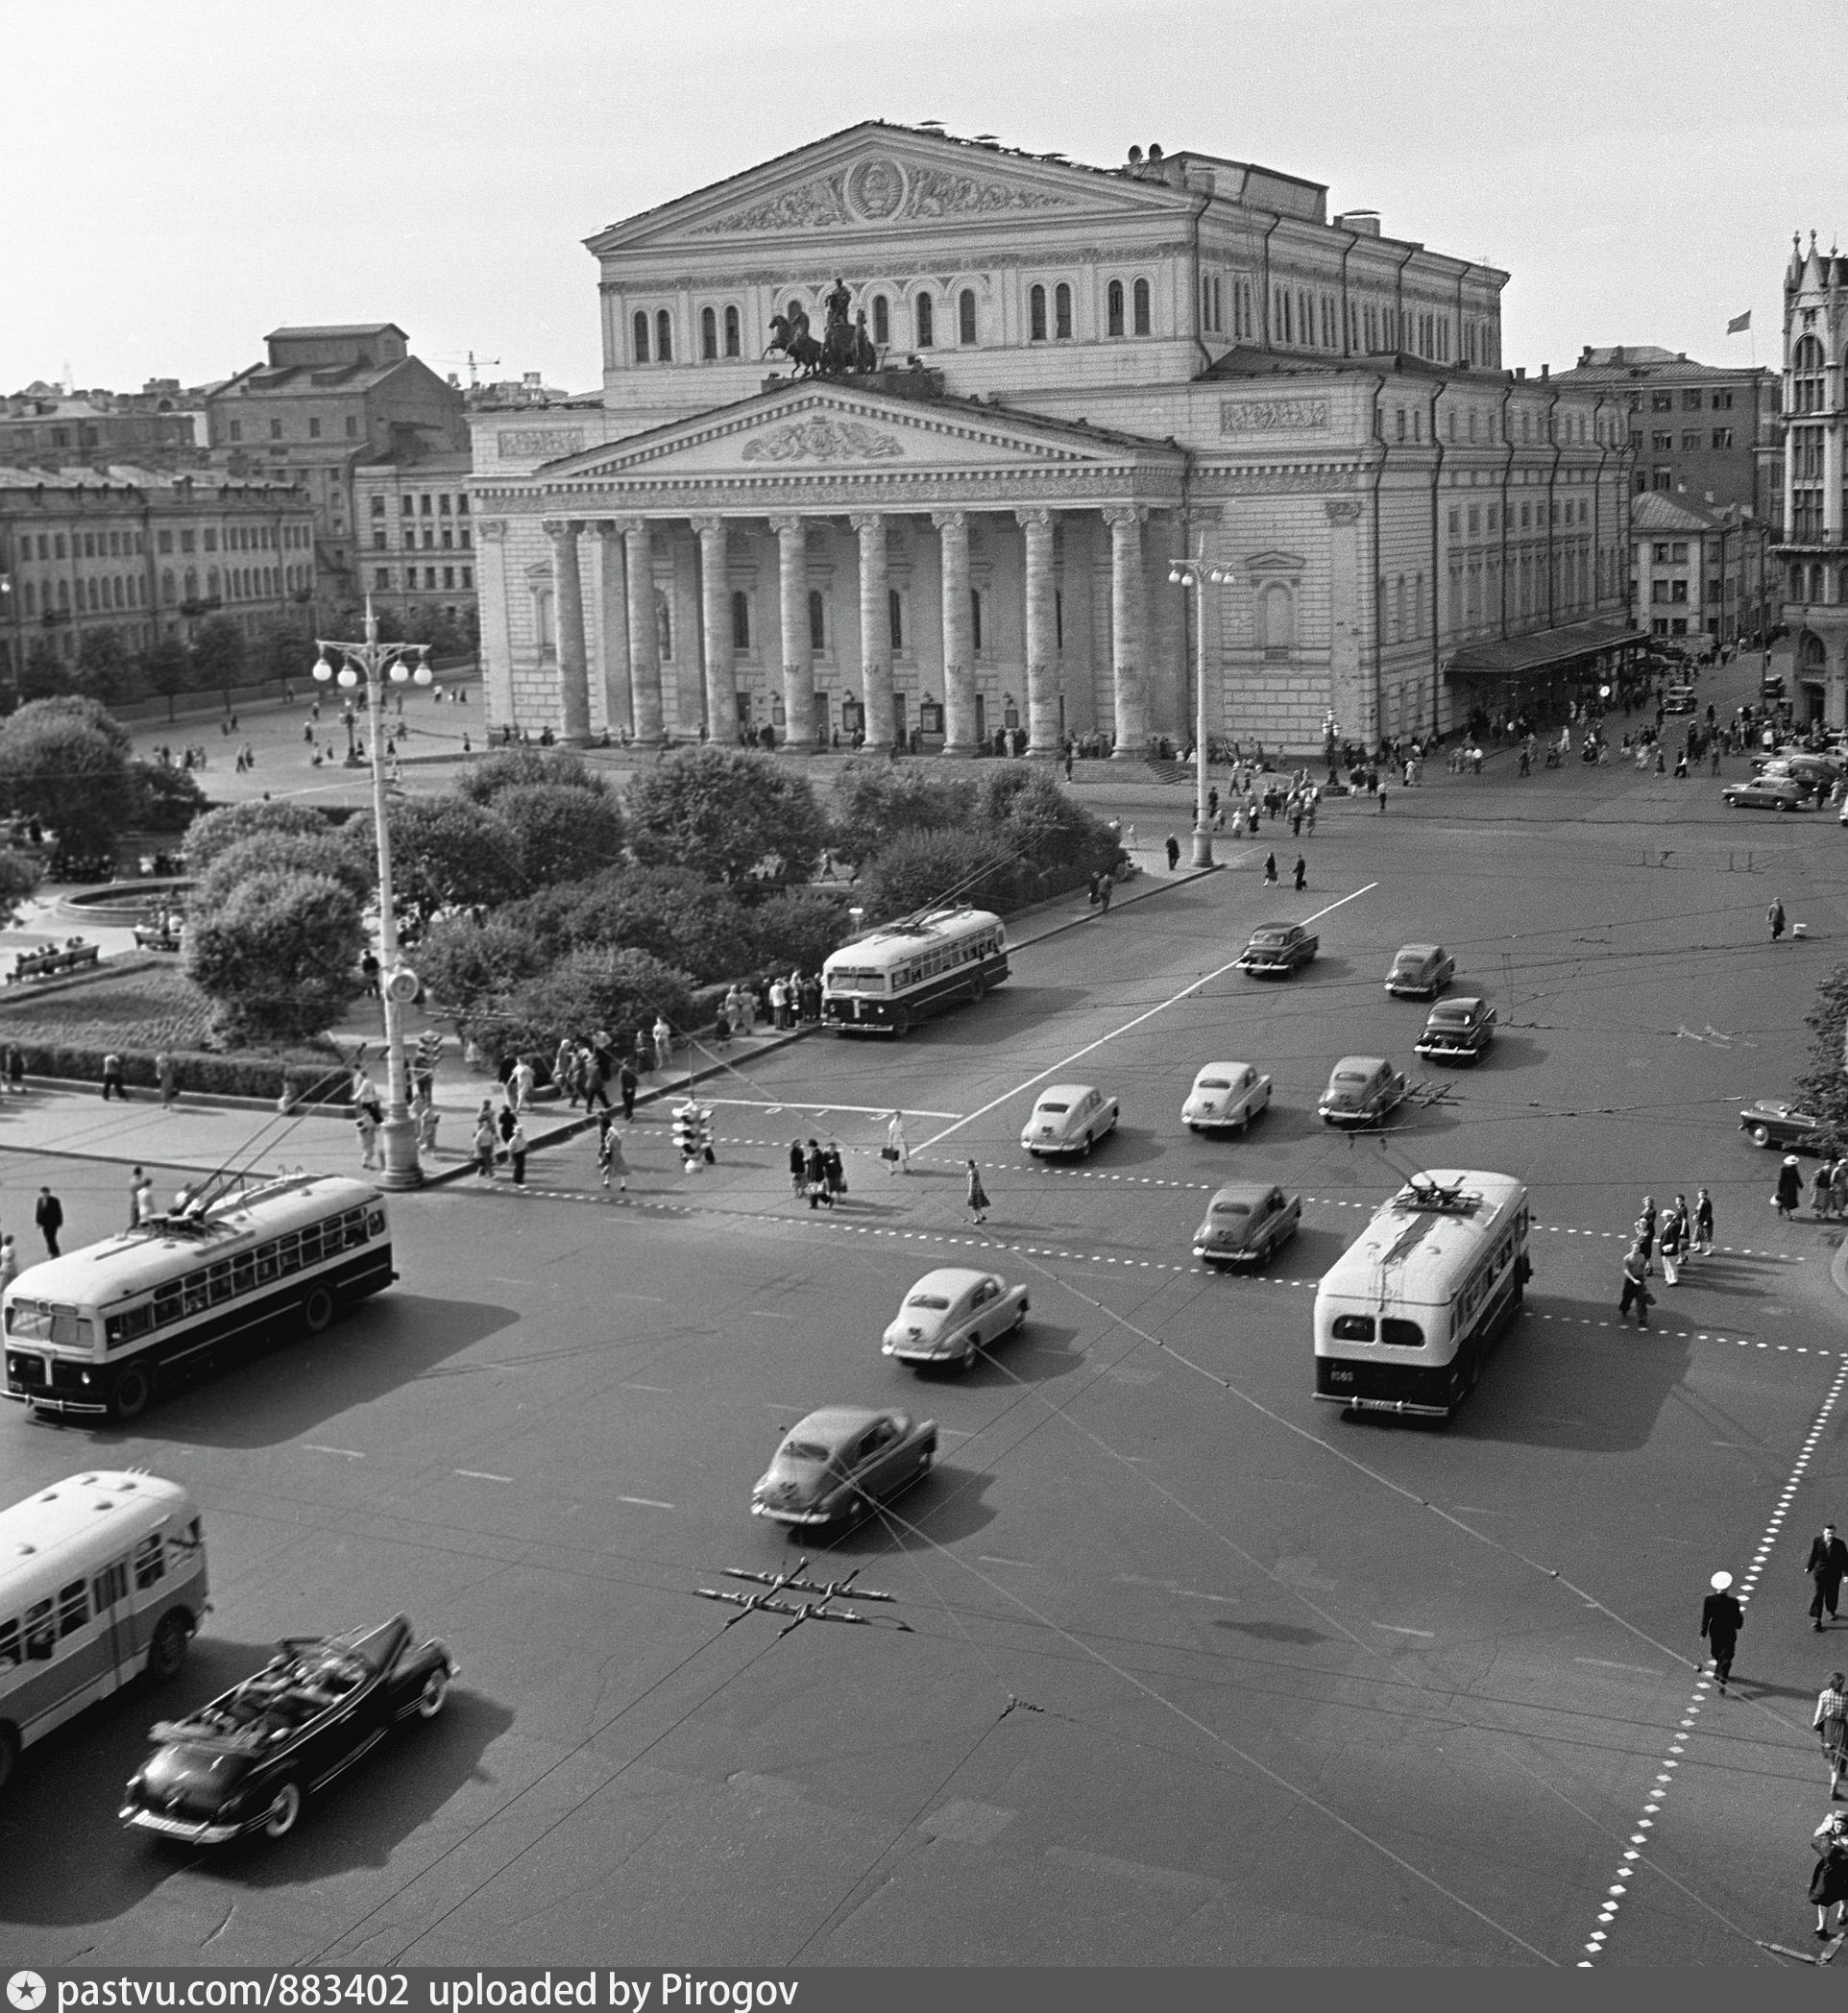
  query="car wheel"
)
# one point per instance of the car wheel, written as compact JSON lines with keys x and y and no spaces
{"x":434,"y":1695}
{"x":285,"y":1807}
{"x":133,"y":1390}
{"x":1783,"y":804}
{"x":167,"y":1652}
{"x":1020,"y":1319}
{"x":1761,"y":1136}
{"x":8,"y":1755}
{"x":1084,"y":1148}
{"x":317,"y":1311}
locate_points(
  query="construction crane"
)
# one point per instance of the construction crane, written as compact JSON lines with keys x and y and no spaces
{"x":474,"y":363}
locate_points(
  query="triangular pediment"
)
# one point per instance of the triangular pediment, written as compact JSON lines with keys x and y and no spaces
{"x":821,"y":429}
{"x":886,"y":180}
{"x":1274,"y":562}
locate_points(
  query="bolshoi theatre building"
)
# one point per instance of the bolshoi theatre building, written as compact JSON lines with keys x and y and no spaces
{"x":1014,"y":392}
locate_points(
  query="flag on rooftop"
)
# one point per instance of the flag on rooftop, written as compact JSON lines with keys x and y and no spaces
{"x":1740,"y":324}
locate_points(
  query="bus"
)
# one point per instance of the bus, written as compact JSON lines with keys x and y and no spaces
{"x":102,"y":1329}
{"x":883,"y":983}
{"x":101,"y":1579}
{"x":1405,"y":1315}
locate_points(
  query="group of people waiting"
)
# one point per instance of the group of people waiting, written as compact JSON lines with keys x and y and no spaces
{"x":1672,"y":1236}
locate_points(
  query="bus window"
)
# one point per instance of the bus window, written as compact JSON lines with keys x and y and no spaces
{"x":354,"y":1222}
{"x":218,"y":1279}
{"x":166,"y":1303}
{"x":193,"y":1293}
{"x":10,"y":1657}
{"x":73,"y":1608}
{"x":1354,"y":1328}
{"x":263,"y":1258}
{"x":311,"y":1245}
{"x":39,"y":1632}
{"x":243,"y":1273}
{"x":110,"y":1585}
{"x":150,"y":1565}
{"x":129,"y":1326}
{"x":1402,"y":1334}
{"x":288,"y":1253}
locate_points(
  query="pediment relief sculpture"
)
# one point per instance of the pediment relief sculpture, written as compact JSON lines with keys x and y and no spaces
{"x":1274,"y":563}
{"x":822,"y":438}
{"x":882,"y":189}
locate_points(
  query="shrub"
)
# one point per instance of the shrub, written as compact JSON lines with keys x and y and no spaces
{"x":318,"y":1075}
{"x":724,"y":813}
{"x":231,"y":824}
{"x":464,"y":964}
{"x":277,"y":853}
{"x":796,"y":930}
{"x":170,"y":798}
{"x":920,"y":869}
{"x":585,"y":991}
{"x":64,"y":762}
{"x":1823,"y":1087}
{"x":513,"y":768}
{"x":448,"y":852}
{"x":278,"y":956}
{"x":560,"y":832}
{"x":874,"y":801}
{"x":693,"y":925}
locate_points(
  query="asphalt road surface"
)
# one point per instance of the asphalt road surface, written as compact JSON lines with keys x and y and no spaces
{"x":1196,"y":1671}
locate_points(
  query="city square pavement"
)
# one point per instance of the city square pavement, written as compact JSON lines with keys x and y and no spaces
{"x":1194,"y":1671}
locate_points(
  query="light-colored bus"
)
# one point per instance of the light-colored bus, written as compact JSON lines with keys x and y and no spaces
{"x":101,"y":1578}
{"x":100,"y":1330}
{"x":884,"y":983}
{"x":1405,"y":1317}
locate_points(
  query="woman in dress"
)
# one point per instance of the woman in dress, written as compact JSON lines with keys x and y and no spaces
{"x":898,"y":1154}
{"x":1829,"y":1883}
{"x":833,"y":1172}
{"x":1830,"y":1723}
{"x":610,"y":1160}
{"x":1790,"y":1188}
{"x":978,"y":1196}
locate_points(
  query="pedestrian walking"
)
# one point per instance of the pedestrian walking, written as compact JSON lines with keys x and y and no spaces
{"x":1789,"y":1189}
{"x":1270,"y":869}
{"x":140,"y":1199}
{"x":1301,"y":873}
{"x":520,"y":1085}
{"x":1827,"y":1565}
{"x":9,"y":1262}
{"x":1669,"y":1246}
{"x":896,"y":1153}
{"x":834,"y":1172}
{"x":1173,"y":845}
{"x":1830,"y":1723}
{"x":162,"y":1069}
{"x":517,"y":1150}
{"x":798,"y":1168}
{"x":486,"y":1142}
{"x":1822,"y":1191}
{"x":662,"y":1043}
{"x":1703,"y":1223}
{"x":977,"y":1195}
{"x":627,"y":1084}
{"x":1635,"y":1288}
{"x":1104,"y":894}
{"x":48,"y":1213}
{"x":1774,"y":915}
{"x":367,"y":1127}
{"x":1645,"y":1225}
{"x":608,"y":1158}
{"x":814,"y":1176}
{"x":1722,"y":1618}
{"x":597,"y":1078}
{"x":424,"y":1115}
{"x":564,"y":1070}
{"x":112,"y":1079}
{"x":1828,"y":1882}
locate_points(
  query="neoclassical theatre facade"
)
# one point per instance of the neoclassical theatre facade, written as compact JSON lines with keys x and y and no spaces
{"x":1067,"y":380}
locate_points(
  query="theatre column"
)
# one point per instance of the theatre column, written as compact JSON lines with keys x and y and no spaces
{"x":875,"y":632}
{"x":613,"y":627}
{"x":574,"y":672}
{"x":958,"y":633}
{"x":1042,"y":634}
{"x":1129,"y":632}
{"x":716,"y":625}
{"x":645,"y":635}
{"x":798,"y":656}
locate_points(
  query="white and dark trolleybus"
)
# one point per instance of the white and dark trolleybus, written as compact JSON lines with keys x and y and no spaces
{"x":886,"y":981}
{"x":101,"y":1578}
{"x":102,"y":1329}
{"x":1405,"y":1315}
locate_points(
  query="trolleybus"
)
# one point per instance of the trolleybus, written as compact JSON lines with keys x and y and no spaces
{"x":884,"y":982}
{"x":1405,"y":1317}
{"x":102,"y":1577}
{"x":102,"y":1329}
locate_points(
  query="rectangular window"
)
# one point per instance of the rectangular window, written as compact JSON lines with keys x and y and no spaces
{"x":449,"y":576}
{"x":237,"y":429}
{"x":1691,"y":442}
{"x":1723,"y":437}
{"x":378,"y":542}
{"x":352,"y":428}
{"x":1662,"y":402}
{"x":194,"y":1296}
{"x":276,"y":430}
{"x":1691,"y":401}
{"x":73,"y":1606}
{"x":381,"y":578}
{"x":1663,"y":442}
{"x":263,"y":1258}
{"x":468,"y":579}
{"x":314,"y":429}
{"x":42,"y":1631}
{"x":10,"y":1655}
{"x":149,"y":1561}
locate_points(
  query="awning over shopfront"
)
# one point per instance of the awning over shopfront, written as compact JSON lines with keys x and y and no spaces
{"x":1547,"y":650}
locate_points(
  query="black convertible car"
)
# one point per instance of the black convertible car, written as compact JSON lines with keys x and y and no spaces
{"x":245,"y":1762}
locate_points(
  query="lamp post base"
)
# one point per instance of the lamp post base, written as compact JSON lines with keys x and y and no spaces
{"x":1202,"y":845}
{"x":399,"y":1165}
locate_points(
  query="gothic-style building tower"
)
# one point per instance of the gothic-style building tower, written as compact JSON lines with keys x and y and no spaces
{"x":1815,"y":411}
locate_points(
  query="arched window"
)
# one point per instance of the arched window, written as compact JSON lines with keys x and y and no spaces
{"x":732,"y":333}
{"x":1806,"y":394}
{"x":817,"y":620}
{"x":965,"y":317}
{"x":975,"y":620}
{"x":211,"y":586}
{"x":1036,"y":315}
{"x":1276,"y":620}
{"x":882,"y":320}
{"x":708,"y":336}
{"x":641,"y":336}
{"x":895,"y":618}
{"x":1113,"y":309}
{"x":663,"y":336}
{"x":1398,"y":609}
{"x":1062,"y":312}
{"x":741,"y":620}
{"x":1141,"y":299}
{"x":664,"y":626}
{"x":926,"y":322}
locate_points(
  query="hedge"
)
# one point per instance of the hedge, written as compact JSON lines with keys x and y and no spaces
{"x":204,"y":1076}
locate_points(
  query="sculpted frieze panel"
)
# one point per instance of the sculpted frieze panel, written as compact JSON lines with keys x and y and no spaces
{"x":823,"y":439}
{"x":519,"y":443}
{"x":1273,"y":415}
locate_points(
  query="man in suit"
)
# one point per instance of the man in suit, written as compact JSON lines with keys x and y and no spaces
{"x":1826,"y":1565}
{"x":1722,"y":1618}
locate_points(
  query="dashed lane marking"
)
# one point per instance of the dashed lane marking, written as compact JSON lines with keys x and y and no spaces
{"x":476,"y":1474}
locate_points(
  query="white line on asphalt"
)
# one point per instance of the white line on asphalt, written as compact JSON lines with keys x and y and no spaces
{"x":664,"y":1391}
{"x":345,"y":1453}
{"x":1393,"y":1629}
{"x":476,"y":1474}
{"x":644,"y":1502}
{"x":764,"y":1313}
{"x":989,"y":1559}
{"x":1079,"y":1055}
{"x":790,"y":1104}
{"x":1644,"y":1670}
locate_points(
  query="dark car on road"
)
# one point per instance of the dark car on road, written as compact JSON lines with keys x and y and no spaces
{"x":1279,"y":949}
{"x":1246,"y":1221}
{"x":1768,"y":793}
{"x":1363,"y":1090}
{"x":1774,"y":1125}
{"x":1457,"y":1031}
{"x":1419,"y":971}
{"x":247,"y":1761}
{"x":839,"y":1462}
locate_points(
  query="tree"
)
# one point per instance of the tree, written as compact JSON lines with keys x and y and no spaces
{"x":466,"y":965}
{"x":723,"y":814}
{"x":796,"y":930}
{"x":74,"y":706}
{"x":559,"y":832}
{"x":873,"y":801}
{"x":67,"y":772}
{"x":278,"y":956}
{"x":44,"y":671}
{"x":510,"y":768}
{"x":1032,"y":818}
{"x":922,"y":869}
{"x":166,"y":668}
{"x":219,"y":654}
{"x":589,"y":991}
{"x":694,"y":926}
{"x":281,"y":649}
{"x":232,"y":823}
{"x":447,"y":853}
{"x":1823,"y":1087}
{"x":279,"y":852}
{"x":105,"y":669}
{"x":18,"y":877}
{"x":169,"y":798}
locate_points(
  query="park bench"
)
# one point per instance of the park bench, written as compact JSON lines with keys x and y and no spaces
{"x":52,"y":965}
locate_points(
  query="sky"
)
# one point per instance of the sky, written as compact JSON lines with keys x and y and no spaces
{"x":188,"y":175}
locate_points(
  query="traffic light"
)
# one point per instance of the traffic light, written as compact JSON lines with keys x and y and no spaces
{"x":704,"y":1125}
{"x":686,"y":1135}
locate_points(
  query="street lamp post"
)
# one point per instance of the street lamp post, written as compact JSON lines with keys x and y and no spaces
{"x":346,"y":665}
{"x":1195,"y":574}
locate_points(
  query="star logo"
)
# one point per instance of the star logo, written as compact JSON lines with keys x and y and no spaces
{"x":25,"y":1990}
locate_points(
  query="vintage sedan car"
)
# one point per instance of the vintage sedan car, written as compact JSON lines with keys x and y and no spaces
{"x":1225,"y":1098}
{"x":1768,"y":793}
{"x":1363,"y":1090}
{"x":1419,"y":972}
{"x":1246,"y":1221}
{"x":1277,"y":949}
{"x":1069,"y":1118}
{"x":840,"y":1461}
{"x":247,"y":1761}
{"x":1774,"y":1125}
{"x":1457,"y":1031}
{"x":951,"y":1314}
